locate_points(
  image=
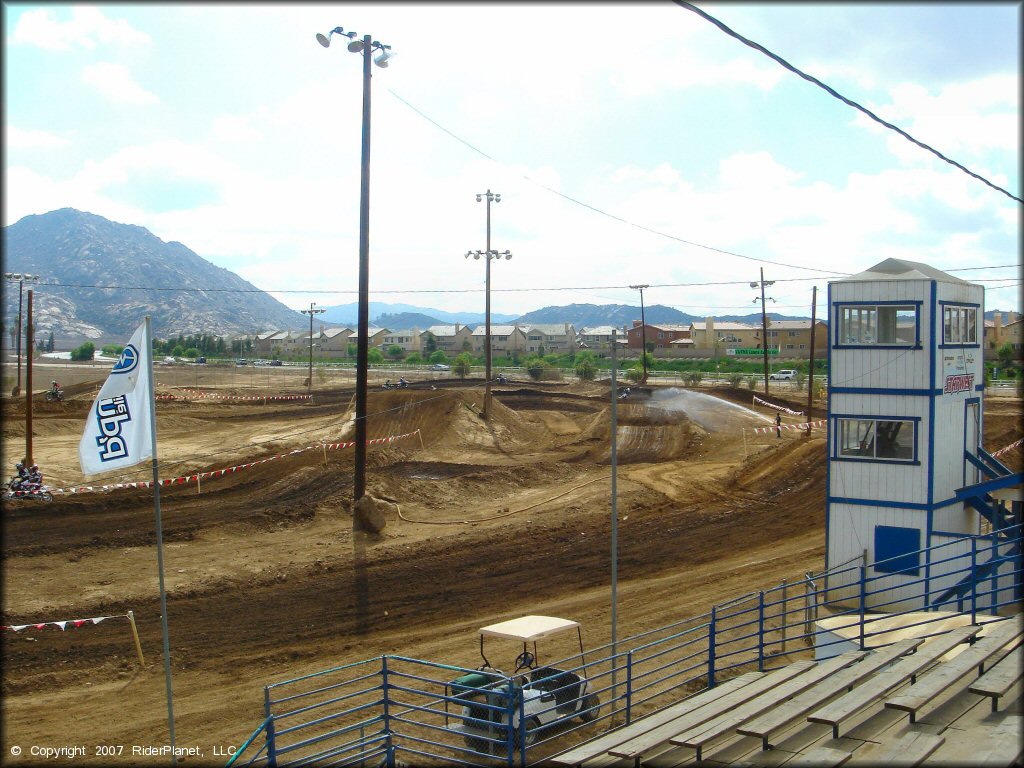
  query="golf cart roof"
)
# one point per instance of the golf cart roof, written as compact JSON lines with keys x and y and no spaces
{"x":528,"y":628}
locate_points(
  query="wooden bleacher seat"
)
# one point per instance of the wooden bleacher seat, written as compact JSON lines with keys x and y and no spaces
{"x":845,"y":707}
{"x":652,"y":738}
{"x":819,"y":757}
{"x":910,"y":749}
{"x":999,"y":636}
{"x":703,"y":735}
{"x":999,"y":679}
{"x":780,"y":718}
{"x":589,"y":751}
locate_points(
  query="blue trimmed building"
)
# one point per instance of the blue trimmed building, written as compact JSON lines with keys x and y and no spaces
{"x":906,"y":470}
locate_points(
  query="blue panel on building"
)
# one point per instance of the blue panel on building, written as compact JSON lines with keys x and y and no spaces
{"x":897,"y":550}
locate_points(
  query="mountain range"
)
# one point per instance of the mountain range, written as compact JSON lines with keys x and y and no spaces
{"x":99,"y":278}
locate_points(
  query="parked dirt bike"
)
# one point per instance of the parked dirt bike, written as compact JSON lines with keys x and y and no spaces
{"x":25,"y":490}
{"x":55,"y":394}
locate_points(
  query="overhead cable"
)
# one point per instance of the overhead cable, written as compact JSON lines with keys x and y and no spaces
{"x":836,"y":94}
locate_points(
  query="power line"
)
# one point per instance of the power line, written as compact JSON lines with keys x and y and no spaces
{"x":836,"y":94}
{"x":612,"y":215}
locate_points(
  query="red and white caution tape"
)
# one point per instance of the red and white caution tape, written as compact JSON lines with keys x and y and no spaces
{"x":759,"y":401}
{"x":74,"y":623}
{"x":195,"y":394}
{"x":811,"y":424}
{"x":199,"y":476}
{"x":1010,"y":447}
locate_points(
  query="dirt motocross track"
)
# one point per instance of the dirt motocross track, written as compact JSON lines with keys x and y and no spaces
{"x":266,"y":579}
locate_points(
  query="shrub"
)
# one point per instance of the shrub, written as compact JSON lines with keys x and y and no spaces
{"x":437,"y":356}
{"x":415,"y":358}
{"x":585,"y":369}
{"x":735,"y":379}
{"x":374,"y":356}
{"x":635,"y":374}
{"x":752,"y":382}
{"x":191,"y":353}
{"x":85,"y":352}
{"x":536,"y":366}
{"x":112,"y":350}
{"x":693,"y":378}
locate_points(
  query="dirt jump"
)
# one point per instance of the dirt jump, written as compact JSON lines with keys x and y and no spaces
{"x":267,"y":579}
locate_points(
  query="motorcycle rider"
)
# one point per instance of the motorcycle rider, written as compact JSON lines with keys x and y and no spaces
{"x":20,"y":477}
{"x":402,"y":382}
{"x":54,"y":387}
{"x":35,"y":477}
{"x":387,"y":383}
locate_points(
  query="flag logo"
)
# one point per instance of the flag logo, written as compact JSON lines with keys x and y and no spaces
{"x":118,"y":432}
{"x":128,"y":361}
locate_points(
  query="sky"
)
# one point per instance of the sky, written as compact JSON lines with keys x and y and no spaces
{"x":631,"y":145}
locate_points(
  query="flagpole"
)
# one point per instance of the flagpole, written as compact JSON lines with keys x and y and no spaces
{"x":159,"y":537}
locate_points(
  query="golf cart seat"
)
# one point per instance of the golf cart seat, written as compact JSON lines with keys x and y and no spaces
{"x":564,"y":685}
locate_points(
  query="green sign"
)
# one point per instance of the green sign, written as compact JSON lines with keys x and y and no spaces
{"x":752,"y":352}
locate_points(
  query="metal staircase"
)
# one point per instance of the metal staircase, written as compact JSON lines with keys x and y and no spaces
{"x":1002,"y":511}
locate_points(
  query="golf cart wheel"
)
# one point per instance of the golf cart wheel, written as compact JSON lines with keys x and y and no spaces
{"x":591,"y":708}
{"x":532,"y":725}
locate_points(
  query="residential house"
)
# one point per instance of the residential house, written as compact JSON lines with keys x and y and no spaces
{"x":408,"y":339}
{"x":793,"y":337}
{"x":334,"y":341}
{"x":505,"y":339}
{"x":999,"y":332}
{"x":599,"y":338}
{"x":451,"y":339}
{"x":661,"y":336}
{"x":715,"y":337}
{"x":550,"y":338}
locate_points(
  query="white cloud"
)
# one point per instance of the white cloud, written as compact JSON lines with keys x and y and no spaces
{"x":87,"y":28}
{"x":116,"y":83}
{"x":20,"y":138}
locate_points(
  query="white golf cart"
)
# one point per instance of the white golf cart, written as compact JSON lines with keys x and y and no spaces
{"x":547,"y":694}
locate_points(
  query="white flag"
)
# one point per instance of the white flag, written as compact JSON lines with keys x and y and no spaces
{"x":117,"y":432}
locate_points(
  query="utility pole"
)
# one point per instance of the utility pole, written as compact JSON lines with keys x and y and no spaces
{"x":20,"y":279}
{"x":643,"y":328}
{"x":487,"y":255}
{"x":810,"y":373}
{"x":28,"y":385}
{"x":311,"y":311}
{"x":764,"y":324}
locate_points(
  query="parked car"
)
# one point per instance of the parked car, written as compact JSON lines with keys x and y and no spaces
{"x":241,"y":361}
{"x":784,"y":375}
{"x":200,"y":361}
{"x":275,"y":362}
{"x":440,"y":367}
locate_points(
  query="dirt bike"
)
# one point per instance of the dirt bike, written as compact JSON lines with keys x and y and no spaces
{"x":55,"y":394}
{"x":24,"y":489}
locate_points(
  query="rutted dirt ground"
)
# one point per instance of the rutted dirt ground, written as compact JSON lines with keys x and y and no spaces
{"x":266,"y":579}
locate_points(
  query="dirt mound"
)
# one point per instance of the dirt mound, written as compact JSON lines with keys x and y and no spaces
{"x":643,"y":434}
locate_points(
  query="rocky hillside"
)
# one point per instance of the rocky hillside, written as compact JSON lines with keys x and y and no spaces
{"x":100,"y":278}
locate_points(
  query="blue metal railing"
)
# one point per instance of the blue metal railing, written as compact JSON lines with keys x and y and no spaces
{"x":393,"y":708}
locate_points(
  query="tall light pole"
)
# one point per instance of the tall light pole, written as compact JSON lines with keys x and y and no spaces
{"x":764,"y":323}
{"x":366,"y":47}
{"x":643,"y":328}
{"x":492,"y":197}
{"x":20,"y":279}
{"x":311,"y":311}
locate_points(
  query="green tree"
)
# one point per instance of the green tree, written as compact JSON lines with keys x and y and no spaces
{"x":461,"y":365}
{"x":437,"y":357}
{"x":49,"y":343}
{"x":467,"y":346}
{"x":395,"y":352}
{"x":192,"y":353}
{"x":634,"y":374}
{"x":179,"y":350}
{"x":374,"y":356}
{"x":114,"y":350}
{"x":414,"y":358}
{"x":85,"y":352}
{"x":351,"y":349}
{"x":430,"y":343}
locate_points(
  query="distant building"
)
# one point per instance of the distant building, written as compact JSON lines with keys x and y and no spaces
{"x":1000,"y":331}
{"x":550,"y":338}
{"x":598,"y":338}
{"x":505,"y":339}
{"x":660,"y":335}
